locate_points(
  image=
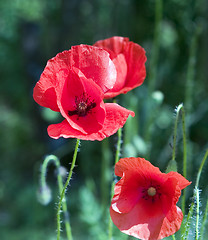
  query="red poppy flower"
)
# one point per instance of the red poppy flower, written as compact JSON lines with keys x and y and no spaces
{"x":144,"y":204}
{"x":73,"y":83}
{"x":129,"y":59}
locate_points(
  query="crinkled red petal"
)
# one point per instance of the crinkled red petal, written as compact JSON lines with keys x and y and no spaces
{"x":141,"y":217}
{"x":116,"y":117}
{"x":44,"y":91}
{"x":115,"y":45}
{"x":78,"y":88}
{"x":132,"y":164}
{"x":182,"y":181}
{"x":92,"y":61}
{"x":96,"y":64}
{"x":135,"y":60}
{"x":171,"y":223}
{"x":154,"y":228}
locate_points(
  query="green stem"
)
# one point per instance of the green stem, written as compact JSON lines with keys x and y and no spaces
{"x":186,"y":228}
{"x":197,"y":213}
{"x":175,"y":131}
{"x":105,"y":172}
{"x":173,"y":237}
{"x":118,"y":149}
{"x":55,"y":160}
{"x":62,"y":195}
{"x":200,"y":168}
{"x":197,"y":193}
{"x":204,"y":221}
{"x":196,"y":196}
{"x":184,"y":157}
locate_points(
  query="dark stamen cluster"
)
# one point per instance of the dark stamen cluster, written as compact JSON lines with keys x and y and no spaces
{"x":83,"y":105}
{"x":151,"y":192}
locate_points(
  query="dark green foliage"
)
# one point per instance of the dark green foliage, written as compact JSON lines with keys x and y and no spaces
{"x":31,"y":32}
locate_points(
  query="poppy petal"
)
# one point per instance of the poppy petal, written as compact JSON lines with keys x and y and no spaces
{"x":132,"y":164}
{"x":78,"y":89}
{"x":126,"y":195}
{"x":63,"y":129}
{"x":44,"y":91}
{"x":121,"y":68}
{"x":137,"y":223}
{"x":171,"y":223}
{"x":182,"y":182}
{"x":135,"y":58}
{"x":140,"y":225}
{"x":116,"y":117}
{"x":94,"y":63}
{"x":114,"y":45}
{"x":135,"y":211}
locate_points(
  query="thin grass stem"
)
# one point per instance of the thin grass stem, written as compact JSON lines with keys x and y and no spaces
{"x":62,"y":196}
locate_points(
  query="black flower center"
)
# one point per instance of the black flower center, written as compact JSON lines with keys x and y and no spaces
{"x":83,"y":105}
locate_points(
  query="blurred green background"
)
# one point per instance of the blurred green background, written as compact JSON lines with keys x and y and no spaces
{"x":31,"y":32}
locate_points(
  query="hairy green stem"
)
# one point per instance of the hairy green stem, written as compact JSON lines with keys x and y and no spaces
{"x":118,"y":149}
{"x":195,"y":197}
{"x":173,"y":237}
{"x":204,"y":221}
{"x":197,"y":193}
{"x":184,"y":157}
{"x":62,"y":195}
{"x":175,"y":131}
{"x":201,"y":167}
{"x":185,"y":229}
{"x":197,"y":213}
{"x":55,"y":160}
{"x":105,"y":172}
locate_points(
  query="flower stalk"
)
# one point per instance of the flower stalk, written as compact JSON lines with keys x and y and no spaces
{"x":186,"y":228}
{"x":118,"y":149}
{"x":184,"y":157}
{"x":197,"y":193}
{"x":105,"y":172}
{"x":56,"y":161}
{"x":62,"y":195}
{"x":204,"y":222}
{"x":175,"y":131}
